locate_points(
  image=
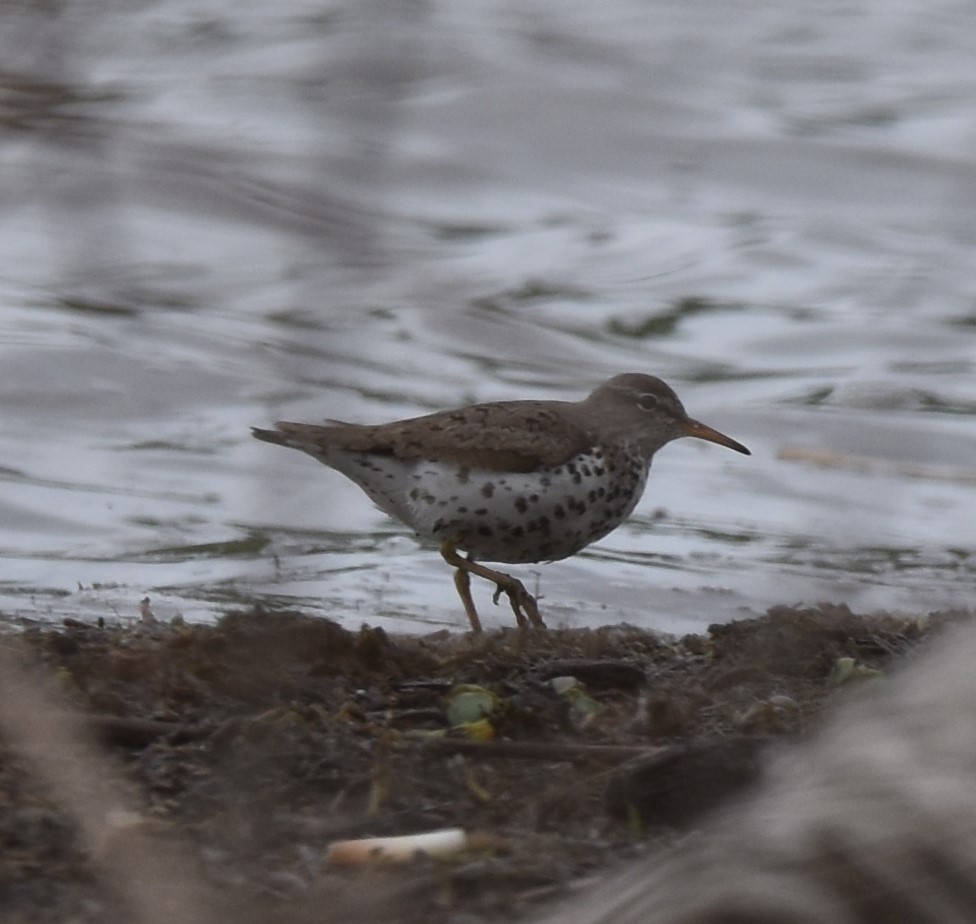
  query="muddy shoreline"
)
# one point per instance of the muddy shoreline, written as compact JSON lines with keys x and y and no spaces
{"x":239,"y":753}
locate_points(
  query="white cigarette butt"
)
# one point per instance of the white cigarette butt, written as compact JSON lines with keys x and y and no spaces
{"x":397,"y":849}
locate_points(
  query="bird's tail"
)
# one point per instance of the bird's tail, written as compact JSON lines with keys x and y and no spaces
{"x":270,"y":436}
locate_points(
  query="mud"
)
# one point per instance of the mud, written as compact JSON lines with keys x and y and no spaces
{"x":245,"y":749}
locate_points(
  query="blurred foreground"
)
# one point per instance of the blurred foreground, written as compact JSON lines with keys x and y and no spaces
{"x":192,"y":773}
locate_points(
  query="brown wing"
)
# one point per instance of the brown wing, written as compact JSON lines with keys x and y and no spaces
{"x":503,"y":436}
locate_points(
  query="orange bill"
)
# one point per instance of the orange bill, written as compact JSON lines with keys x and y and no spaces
{"x":702,"y":432}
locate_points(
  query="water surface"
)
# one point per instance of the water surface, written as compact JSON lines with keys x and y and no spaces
{"x":215,"y":217}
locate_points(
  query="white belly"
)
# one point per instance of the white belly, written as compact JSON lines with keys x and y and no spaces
{"x":543,"y":515}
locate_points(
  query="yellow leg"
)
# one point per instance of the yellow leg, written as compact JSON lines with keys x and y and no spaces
{"x":523,"y":603}
{"x":462,"y":581}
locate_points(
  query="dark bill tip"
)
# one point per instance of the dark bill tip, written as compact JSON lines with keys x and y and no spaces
{"x":700,"y":431}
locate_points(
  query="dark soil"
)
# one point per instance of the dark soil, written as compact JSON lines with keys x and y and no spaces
{"x":252,"y":745}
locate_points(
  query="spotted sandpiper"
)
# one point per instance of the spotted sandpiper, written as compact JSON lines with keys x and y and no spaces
{"x":509,"y":481}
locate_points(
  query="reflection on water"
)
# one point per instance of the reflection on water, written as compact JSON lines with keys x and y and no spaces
{"x":217,"y":217}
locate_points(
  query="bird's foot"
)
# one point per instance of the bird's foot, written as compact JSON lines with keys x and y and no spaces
{"x":524,"y":607}
{"x":523,"y":603}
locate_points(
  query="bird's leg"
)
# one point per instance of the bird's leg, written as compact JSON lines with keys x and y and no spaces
{"x":523,"y":603}
{"x":462,"y":581}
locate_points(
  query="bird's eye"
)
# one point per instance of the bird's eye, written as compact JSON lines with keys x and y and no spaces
{"x":647,"y":401}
